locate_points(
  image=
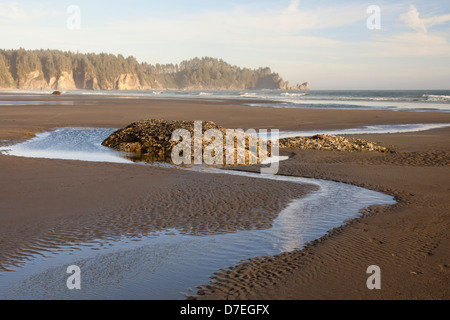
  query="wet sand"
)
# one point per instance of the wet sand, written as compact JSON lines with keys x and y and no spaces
{"x":48,"y":201}
{"x":409,"y":241}
{"x":95,"y":111}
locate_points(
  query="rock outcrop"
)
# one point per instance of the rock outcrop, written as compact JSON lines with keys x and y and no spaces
{"x":127,"y":81}
{"x":151,"y":140}
{"x":304,"y":87}
{"x":86,"y":80}
{"x":35,"y":80}
{"x":67,"y":81}
{"x":299,"y":87}
{"x":331,"y":142}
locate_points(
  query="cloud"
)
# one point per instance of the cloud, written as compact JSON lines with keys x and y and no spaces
{"x":413,"y":20}
{"x":293,"y":6}
{"x":429,"y":22}
{"x":301,"y":40}
{"x":243,"y":26}
{"x":13,"y":13}
{"x":410,"y":44}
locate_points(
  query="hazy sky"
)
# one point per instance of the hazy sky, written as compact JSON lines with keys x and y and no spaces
{"x":326,"y":43}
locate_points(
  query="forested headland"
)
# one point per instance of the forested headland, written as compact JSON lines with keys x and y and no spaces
{"x":60,"y":70}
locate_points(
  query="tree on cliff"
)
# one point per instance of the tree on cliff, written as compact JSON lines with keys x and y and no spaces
{"x":102,"y":71}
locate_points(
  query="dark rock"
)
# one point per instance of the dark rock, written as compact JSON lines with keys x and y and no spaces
{"x":152,"y":139}
{"x":330,"y":142}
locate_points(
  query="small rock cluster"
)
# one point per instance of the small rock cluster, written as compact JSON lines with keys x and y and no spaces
{"x":331,"y":142}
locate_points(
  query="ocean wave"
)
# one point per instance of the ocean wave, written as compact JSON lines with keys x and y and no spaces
{"x":287,"y":94}
{"x":205,"y":94}
{"x":35,"y":92}
{"x":425,"y":97}
{"x":248,"y":94}
{"x":436,"y":97}
{"x":347,"y":98}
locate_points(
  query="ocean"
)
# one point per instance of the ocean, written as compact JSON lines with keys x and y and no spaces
{"x":395,"y":100}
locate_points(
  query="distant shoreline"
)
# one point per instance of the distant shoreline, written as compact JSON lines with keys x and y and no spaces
{"x":382,"y":100}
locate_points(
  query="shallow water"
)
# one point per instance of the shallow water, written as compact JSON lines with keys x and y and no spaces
{"x":374,"y":129}
{"x":82,"y":144}
{"x":36,"y":103}
{"x":166,"y":264}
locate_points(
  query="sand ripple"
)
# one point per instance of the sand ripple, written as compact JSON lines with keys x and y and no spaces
{"x":191,"y":206}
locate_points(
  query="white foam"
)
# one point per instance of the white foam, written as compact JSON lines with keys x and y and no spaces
{"x":248,"y":94}
{"x":287,"y":94}
{"x":433,"y":97}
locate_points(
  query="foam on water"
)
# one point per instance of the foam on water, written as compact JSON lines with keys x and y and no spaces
{"x":437,"y":97}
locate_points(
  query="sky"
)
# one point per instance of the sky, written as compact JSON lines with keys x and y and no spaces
{"x":333,"y":45}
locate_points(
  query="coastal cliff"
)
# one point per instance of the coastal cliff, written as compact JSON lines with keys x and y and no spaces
{"x":58,"y":70}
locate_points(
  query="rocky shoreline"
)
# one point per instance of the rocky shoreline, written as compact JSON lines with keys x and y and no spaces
{"x":151,"y":140}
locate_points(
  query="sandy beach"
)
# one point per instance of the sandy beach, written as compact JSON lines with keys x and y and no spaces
{"x":48,"y":202}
